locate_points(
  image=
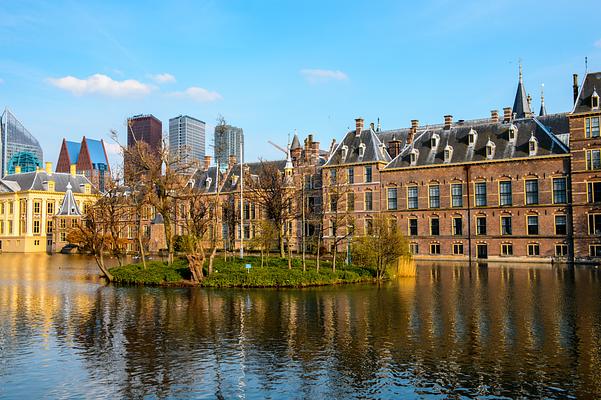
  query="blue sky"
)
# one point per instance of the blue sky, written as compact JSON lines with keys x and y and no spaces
{"x":70,"y":69}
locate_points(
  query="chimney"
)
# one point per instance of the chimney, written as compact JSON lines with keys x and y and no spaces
{"x":73,"y":169}
{"x":575,"y":87}
{"x":48,"y":167}
{"x":232,"y":160}
{"x":412,"y":131}
{"x":494,"y":116}
{"x":358,"y":126}
{"x":207,"y":162}
{"x":506,"y":114}
{"x":448,"y":121}
{"x":17,"y":169}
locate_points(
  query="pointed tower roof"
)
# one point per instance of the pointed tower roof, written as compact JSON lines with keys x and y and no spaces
{"x":543,"y":110}
{"x":295,"y":142}
{"x":521,"y":108}
{"x":288,"y":160}
{"x":69,"y":207}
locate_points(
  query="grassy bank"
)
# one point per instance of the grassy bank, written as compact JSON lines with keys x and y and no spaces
{"x":274,"y":273}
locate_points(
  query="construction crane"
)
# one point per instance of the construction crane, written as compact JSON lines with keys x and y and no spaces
{"x":280,"y":148}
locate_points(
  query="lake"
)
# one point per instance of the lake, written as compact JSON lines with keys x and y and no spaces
{"x":489,"y":331}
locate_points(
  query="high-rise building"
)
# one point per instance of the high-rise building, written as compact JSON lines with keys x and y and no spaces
{"x":227,"y":143}
{"x":19,"y":147}
{"x":187,"y":139}
{"x":147,"y":129}
{"x":89,"y":158}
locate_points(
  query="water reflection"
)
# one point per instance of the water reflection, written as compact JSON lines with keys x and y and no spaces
{"x":484,"y":330}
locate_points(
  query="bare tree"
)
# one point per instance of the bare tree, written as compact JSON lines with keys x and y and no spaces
{"x":341,"y":205}
{"x":196,"y":221}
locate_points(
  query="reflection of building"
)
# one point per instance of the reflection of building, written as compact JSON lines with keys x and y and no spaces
{"x":29,"y":202}
{"x":67,"y":217}
{"x":227,"y":143}
{"x":90,"y":159}
{"x":187,"y":139}
{"x":19,"y":147}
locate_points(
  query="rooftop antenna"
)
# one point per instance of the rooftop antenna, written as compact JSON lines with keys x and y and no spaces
{"x":585,"y":64}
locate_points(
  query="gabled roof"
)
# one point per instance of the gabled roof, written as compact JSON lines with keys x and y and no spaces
{"x":374,"y":150}
{"x":497,"y":133}
{"x":592,"y":81}
{"x":73,"y":151}
{"x":69,"y":206}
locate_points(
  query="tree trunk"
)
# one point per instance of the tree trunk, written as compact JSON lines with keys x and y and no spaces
{"x":289,"y":255}
{"x":99,"y":256}
{"x":142,"y":252}
{"x":168,"y":240}
{"x":281,"y":242}
{"x":318,"y":255}
{"x":334,"y":257}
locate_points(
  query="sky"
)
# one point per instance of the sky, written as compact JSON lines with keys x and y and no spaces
{"x":75,"y":68}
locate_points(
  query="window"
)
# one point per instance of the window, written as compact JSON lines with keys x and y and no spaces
{"x":561,"y":250}
{"x":480,"y":194}
{"x":412,"y":226}
{"x":1,"y":227}
{"x":369,"y":226}
{"x":37,"y":207}
{"x":435,"y":226}
{"x":593,"y":159}
{"x":533,"y":249}
{"x":594,"y":224}
{"x":456,"y":195}
{"x":505,"y":193}
{"x":350,"y":201}
{"x":594,"y":250}
{"x":392,"y":203}
{"x":594,"y":100}
{"x":448,"y":154}
{"x":435,"y":248}
{"x":351,"y":175}
{"x":434,"y":141}
{"x":531,"y":191}
{"x":63,"y":224}
{"x":594,"y":192}
{"x":434,"y":191}
{"x":457,"y":248}
{"x":369,"y":205}
{"x":481,"y":225}
{"x":471,"y":137}
{"x":532,"y":146}
{"x":412,"y":201}
{"x":512,"y":131}
{"x":36,"y":227}
{"x":457,"y":226}
{"x":532,"y":224}
{"x":490,"y":150}
{"x":506,"y":249}
{"x":49,"y":226}
{"x":333,"y":202}
{"x":10,"y":227}
{"x":506,"y":225}
{"x":332,"y":177}
{"x":414,"y":248}
{"x":368,"y":172}
{"x":413,"y":156}
{"x":591,"y":127}
{"x":561,"y":225}
{"x":11,"y":207}
{"x":559,"y":191}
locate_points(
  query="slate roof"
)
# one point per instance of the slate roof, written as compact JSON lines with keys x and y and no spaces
{"x":592,"y":81}
{"x":69,"y":206}
{"x":521,"y":107}
{"x":295,"y":143}
{"x":35,"y":181}
{"x":200,"y":177}
{"x":498,"y":133}
{"x":375,"y":149}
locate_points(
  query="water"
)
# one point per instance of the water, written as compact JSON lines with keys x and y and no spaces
{"x":451,"y":332}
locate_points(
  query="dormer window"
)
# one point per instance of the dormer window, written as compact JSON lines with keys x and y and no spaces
{"x":208,"y":182}
{"x":513,"y":130}
{"x":413,"y":156}
{"x":471,"y":137}
{"x":434,"y":140}
{"x":448,"y":153}
{"x":361,"y":150}
{"x":595,"y":100}
{"x":490,"y":150}
{"x":344,"y":151}
{"x":532,"y":146}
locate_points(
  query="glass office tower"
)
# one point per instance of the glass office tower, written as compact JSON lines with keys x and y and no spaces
{"x":19,"y":147}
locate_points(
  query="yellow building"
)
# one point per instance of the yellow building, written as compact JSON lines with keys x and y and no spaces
{"x":29,"y":203}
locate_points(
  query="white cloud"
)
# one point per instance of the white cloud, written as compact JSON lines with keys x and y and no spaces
{"x":323,"y":75}
{"x":112,"y":148}
{"x":198,"y":94}
{"x":163,"y":78}
{"x":101,"y":84}
{"x":598,"y":44}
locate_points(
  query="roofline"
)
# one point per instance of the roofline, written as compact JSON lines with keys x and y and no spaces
{"x":579,"y":92}
{"x":553,"y":137}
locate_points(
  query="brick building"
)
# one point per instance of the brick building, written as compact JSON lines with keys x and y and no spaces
{"x":89,"y":158}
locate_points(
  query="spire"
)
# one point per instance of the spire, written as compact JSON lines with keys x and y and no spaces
{"x":69,"y":207}
{"x":295,"y":142}
{"x":379,"y":125}
{"x":543,"y":110}
{"x":288,"y":166}
{"x":521,"y":108}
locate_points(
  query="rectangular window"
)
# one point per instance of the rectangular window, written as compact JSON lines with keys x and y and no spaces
{"x":414,"y":248}
{"x":506,"y":228}
{"x":412,"y":202}
{"x":592,"y":127}
{"x":333,"y":202}
{"x":560,"y":195}
{"x":457,"y":248}
{"x":456,"y":195}
{"x":594,"y":192}
{"x":457,"y":226}
{"x":435,"y":248}
{"x":37,"y":207}
{"x":1,"y":227}
{"x":480,"y":194}
{"x":506,"y":249}
{"x":533,"y":249}
{"x":561,"y":225}
{"x":63,"y":236}
{"x":593,"y":159}
{"x":2,"y":207}
{"x":10,"y":227}
{"x":434,"y":192}
{"x":350,"y":201}
{"x":392,"y":203}
{"x":435,"y":227}
{"x":36,"y":227}
{"x":505,"y":193}
{"x":11,"y":207}
{"x":369,"y":205}
{"x":531,"y":191}
{"x":49,"y":226}
{"x":412,"y":226}
{"x":532,"y":222}
{"x":351,"y":175}
{"x":594,"y":224}
{"x":480,"y":225}
{"x":332,"y":177}
{"x":561,"y":250}
{"x":368,"y":176}
{"x":594,"y":250}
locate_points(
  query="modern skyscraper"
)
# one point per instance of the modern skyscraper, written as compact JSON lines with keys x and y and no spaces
{"x":227,"y":143}
{"x":19,"y":147}
{"x":147,"y":129}
{"x":187,"y":139}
